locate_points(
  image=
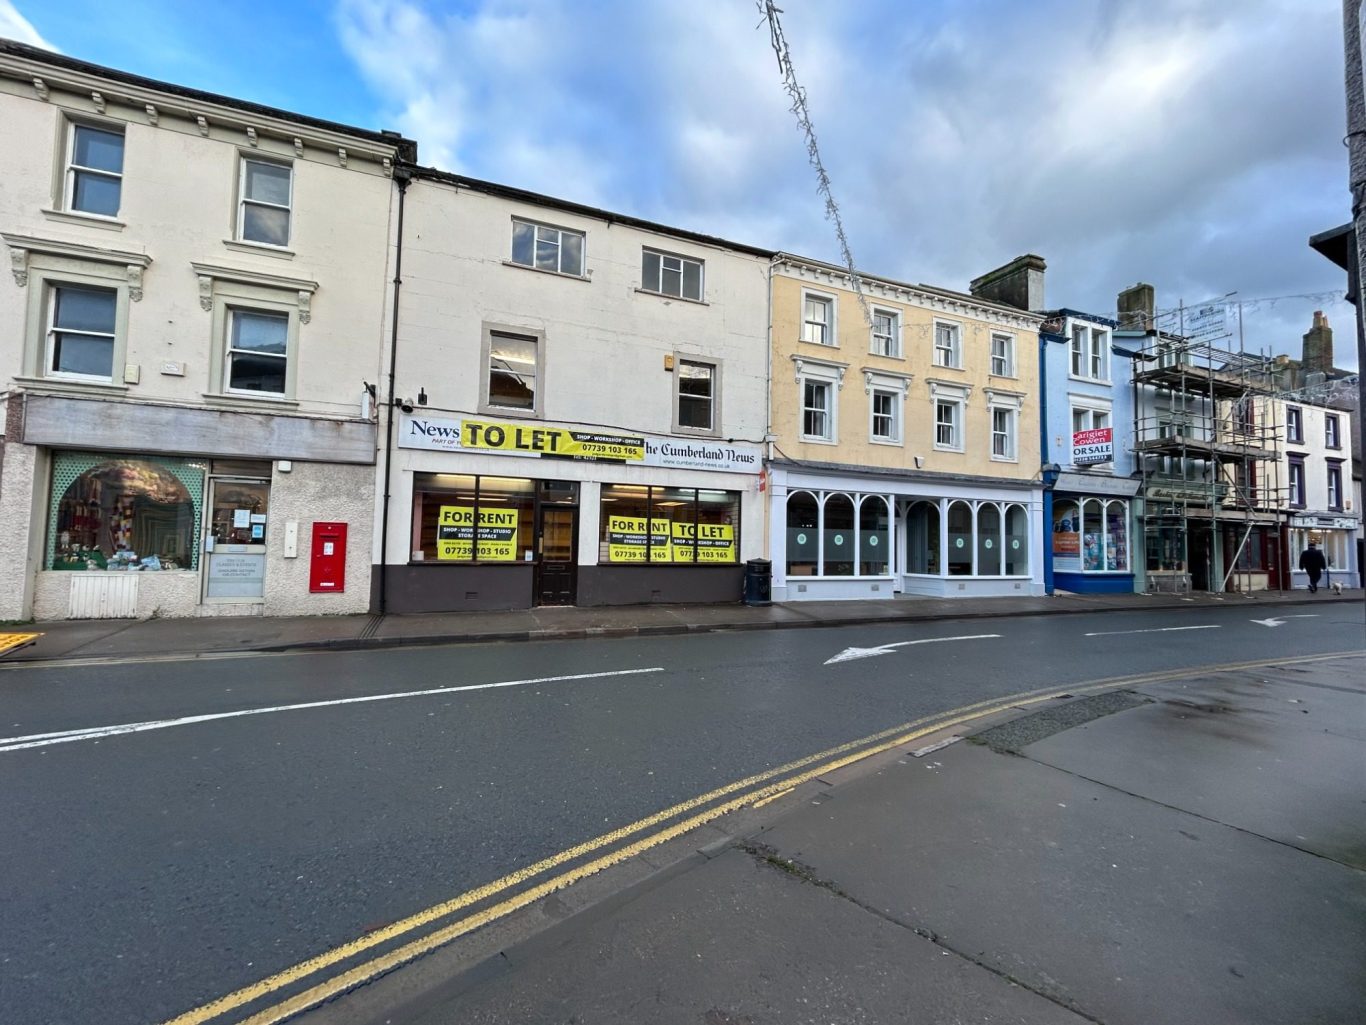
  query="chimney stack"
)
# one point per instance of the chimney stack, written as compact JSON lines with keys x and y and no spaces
{"x":1137,"y":304}
{"x":1019,"y":283}
{"x":1318,"y":347}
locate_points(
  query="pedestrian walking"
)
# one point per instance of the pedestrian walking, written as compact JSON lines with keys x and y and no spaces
{"x":1313,"y":563}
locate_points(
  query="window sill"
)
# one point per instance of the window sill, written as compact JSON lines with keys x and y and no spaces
{"x":947,"y":448}
{"x":249,"y":401}
{"x":883,"y":355}
{"x":259,"y":248}
{"x":818,"y":345}
{"x":890,"y":442}
{"x":1005,"y":459}
{"x":1005,"y":377}
{"x":58,"y":384}
{"x":693,"y":432}
{"x":519,"y":414}
{"x":552,"y":273}
{"x":1089,"y":380}
{"x":671,"y":298}
{"x":88,"y":220}
{"x":945,"y":366}
{"x":807,"y":439}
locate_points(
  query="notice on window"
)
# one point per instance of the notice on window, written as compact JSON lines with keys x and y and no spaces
{"x":627,"y":539}
{"x":551,"y":441}
{"x":715,"y":542}
{"x":241,"y":518}
{"x":455,"y":534}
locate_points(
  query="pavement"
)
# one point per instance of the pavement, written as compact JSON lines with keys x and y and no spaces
{"x":1188,"y":850}
{"x":123,"y":638}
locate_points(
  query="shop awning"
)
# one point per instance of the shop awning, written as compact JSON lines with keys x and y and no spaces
{"x":1095,"y":484}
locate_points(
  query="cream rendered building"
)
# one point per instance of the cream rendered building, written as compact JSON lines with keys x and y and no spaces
{"x":905,"y":452}
{"x":192,"y":309}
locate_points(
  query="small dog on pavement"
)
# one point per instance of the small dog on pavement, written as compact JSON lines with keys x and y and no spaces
{"x":1336,"y":585}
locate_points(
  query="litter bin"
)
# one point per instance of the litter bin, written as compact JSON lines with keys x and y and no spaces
{"x":758,"y":582}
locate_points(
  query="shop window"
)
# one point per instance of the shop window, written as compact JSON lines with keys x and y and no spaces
{"x":125,"y":514}
{"x":838,"y":532}
{"x":1017,"y":541}
{"x":960,"y":539}
{"x":874,"y":535}
{"x":922,"y":542}
{"x":668,"y":526}
{"x":1116,"y":537}
{"x":1066,"y":535}
{"x":803,"y":543}
{"x":989,"y":540}
{"x":460,"y":518}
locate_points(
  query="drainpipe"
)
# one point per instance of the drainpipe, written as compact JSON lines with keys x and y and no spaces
{"x":1046,"y":545}
{"x":402,"y":177}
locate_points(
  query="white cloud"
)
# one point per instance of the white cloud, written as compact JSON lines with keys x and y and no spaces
{"x":14,"y":25}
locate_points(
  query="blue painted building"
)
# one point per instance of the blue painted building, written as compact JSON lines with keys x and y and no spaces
{"x":1087,"y":446}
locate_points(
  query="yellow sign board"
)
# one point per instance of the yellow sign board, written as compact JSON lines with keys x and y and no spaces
{"x":715,"y":542}
{"x":626,"y":539}
{"x":14,"y":641}
{"x":455,"y":538}
{"x":668,"y":542}
{"x":530,"y":439}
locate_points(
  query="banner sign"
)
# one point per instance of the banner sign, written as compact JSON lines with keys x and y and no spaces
{"x":442,"y":434}
{"x":1096,"y":446}
{"x":626,"y":539}
{"x":455,"y":538}
{"x":668,"y":542}
{"x":715,"y":542}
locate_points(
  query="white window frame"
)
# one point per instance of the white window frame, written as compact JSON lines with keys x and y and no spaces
{"x":70,"y":169}
{"x":49,"y":337}
{"x":1004,"y":364}
{"x":1090,"y":409}
{"x":892,"y":348}
{"x":953,"y":423}
{"x":831,"y":339}
{"x":1099,"y":363}
{"x":954,"y":349}
{"x":892,"y":416}
{"x":560,"y":232}
{"x":243,"y":201}
{"x":486,"y":405}
{"x":1008,"y":449}
{"x":1332,"y":431}
{"x":1089,"y":353}
{"x":657,"y":287}
{"x":821,"y":372}
{"x":232,"y":312}
{"x":714,"y":365}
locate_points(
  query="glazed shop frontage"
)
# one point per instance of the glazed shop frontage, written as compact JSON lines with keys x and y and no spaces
{"x":841,"y":535}
{"x":487,"y":514}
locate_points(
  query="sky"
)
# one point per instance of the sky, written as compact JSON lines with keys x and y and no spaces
{"x":1191,"y":144}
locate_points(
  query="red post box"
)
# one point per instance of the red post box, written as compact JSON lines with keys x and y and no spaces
{"x":327,"y":558}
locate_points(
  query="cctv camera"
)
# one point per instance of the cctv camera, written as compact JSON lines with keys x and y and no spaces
{"x":406,"y":405}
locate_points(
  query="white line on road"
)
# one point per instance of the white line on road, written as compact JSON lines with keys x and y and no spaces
{"x":95,"y":732}
{"x":1154,"y":630}
{"x":849,"y":654}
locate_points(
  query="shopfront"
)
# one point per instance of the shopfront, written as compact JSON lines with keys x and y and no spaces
{"x":1336,"y":536}
{"x":514,"y":515}
{"x":874,"y":536}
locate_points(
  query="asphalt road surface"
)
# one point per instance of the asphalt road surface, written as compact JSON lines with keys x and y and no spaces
{"x":175,"y":830}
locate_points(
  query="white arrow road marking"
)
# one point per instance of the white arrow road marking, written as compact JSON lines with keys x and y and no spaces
{"x":1152,"y":630}
{"x":1269,"y":622}
{"x":95,"y":732}
{"x":849,"y":654}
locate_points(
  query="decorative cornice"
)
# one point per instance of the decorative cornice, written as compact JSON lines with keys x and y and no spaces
{"x":872,"y":377}
{"x":953,"y":389}
{"x":208,"y":273}
{"x":1002,"y":397}
{"x":22,"y":245}
{"x":825,"y":364}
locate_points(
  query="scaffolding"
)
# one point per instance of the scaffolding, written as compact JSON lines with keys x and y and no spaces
{"x":1207,"y":441}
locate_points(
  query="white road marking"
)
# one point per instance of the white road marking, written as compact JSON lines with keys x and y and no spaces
{"x":932,"y":748}
{"x":1269,"y":622}
{"x":849,"y":654}
{"x":1153,"y":630}
{"x":1304,"y":615}
{"x":95,"y":732}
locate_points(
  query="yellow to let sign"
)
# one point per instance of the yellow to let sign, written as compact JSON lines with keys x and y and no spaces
{"x":455,"y":534}
{"x":550,"y":441}
{"x":715,"y":542}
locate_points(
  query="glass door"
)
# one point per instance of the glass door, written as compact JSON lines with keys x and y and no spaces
{"x":235,"y":540}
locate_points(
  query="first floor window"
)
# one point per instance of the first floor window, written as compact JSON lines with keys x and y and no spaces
{"x":696,"y":395}
{"x":671,"y":275}
{"x":512,"y":371}
{"x":1297,"y":483}
{"x":886,"y":415}
{"x":817,"y":410}
{"x":80,"y":337}
{"x":557,"y":250}
{"x":266,"y":198}
{"x":1003,"y":433}
{"x":258,"y":352}
{"x":668,"y":526}
{"x":1002,"y":355}
{"x":94,"y":170}
{"x":948,"y":427}
{"x":1334,"y":486}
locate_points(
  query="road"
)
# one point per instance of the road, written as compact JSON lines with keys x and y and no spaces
{"x":145,"y":873}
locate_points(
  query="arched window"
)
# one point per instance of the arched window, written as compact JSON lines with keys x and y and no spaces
{"x":803,"y":541}
{"x":922,"y":538}
{"x":1117,"y":536}
{"x":960,"y":539}
{"x":1017,"y":541}
{"x":125,"y":512}
{"x":1092,"y":534}
{"x":838,"y":517}
{"x":874,"y":536}
{"x":989,"y":540}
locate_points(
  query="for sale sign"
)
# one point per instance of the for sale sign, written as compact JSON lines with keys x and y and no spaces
{"x":1097,"y":446}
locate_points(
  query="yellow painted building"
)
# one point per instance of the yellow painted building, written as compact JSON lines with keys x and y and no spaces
{"x":905,"y":452}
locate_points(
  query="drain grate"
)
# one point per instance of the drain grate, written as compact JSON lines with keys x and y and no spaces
{"x":1014,"y":736}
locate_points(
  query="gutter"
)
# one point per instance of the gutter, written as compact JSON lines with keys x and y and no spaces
{"x":402,"y":177}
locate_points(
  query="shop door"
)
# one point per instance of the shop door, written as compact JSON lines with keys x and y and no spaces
{"x":556,"y":578}
{"x":235,"y":541}
{"x":1271,"y":559}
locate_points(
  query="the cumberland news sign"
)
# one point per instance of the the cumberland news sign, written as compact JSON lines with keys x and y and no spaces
{"x":1096,"y":446}
{"x":445,"y":434}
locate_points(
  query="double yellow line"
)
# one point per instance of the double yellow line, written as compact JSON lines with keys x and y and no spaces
{"x":755,"y":791}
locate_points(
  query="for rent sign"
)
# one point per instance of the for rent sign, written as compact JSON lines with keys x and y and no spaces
{"x":1097,"y":446}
